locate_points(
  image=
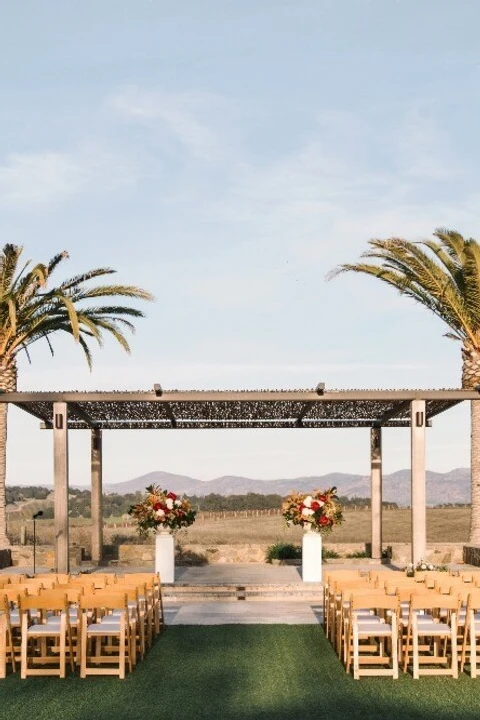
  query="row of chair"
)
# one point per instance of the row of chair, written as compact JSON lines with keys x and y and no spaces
{"x":100,"y":624}
{"x":382,"y":621}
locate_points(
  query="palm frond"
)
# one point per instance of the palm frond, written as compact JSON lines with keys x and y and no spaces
{"x":78,"y":280}
{"x":443,"y":276}
{"x":56,"y":260}
{"x":30,"y":310}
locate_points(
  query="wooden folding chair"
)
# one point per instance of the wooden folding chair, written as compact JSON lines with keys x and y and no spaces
{"x":72,"y":594}
{"x":329,"y":579}
{"x":106,"y":641}
{"x":433,"y":617}
{"x":138,"y":604}
{"x":55,"y":578}
{"x":471,"y":632}
{"x":7,"y":647}
{"x":155,"y":600}
{"x":339,"y":599}
{"x":372,"y":635}
{"x":46,"y":640}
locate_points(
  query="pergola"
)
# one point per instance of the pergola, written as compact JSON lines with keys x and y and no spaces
{"x":219,"y":409}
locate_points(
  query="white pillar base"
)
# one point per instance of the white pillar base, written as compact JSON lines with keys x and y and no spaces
{"x":165,"y":556}
{"x":312,"y":557}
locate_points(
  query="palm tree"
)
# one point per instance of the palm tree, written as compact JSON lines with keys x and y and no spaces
{"x":443,"y":275}
{"x":31,"y":310}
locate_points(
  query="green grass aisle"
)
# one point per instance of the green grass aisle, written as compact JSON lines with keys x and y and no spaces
{"x":240,"y":672}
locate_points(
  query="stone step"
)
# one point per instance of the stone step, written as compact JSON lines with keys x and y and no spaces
{"x":195,"y":593}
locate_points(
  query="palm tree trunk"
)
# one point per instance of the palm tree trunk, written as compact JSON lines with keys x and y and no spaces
{"x":8,"y":383}
{"x":470,"y":380}
{"x":475,"y":473}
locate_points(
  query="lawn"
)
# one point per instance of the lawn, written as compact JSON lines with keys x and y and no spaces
{"x":240,"y":672}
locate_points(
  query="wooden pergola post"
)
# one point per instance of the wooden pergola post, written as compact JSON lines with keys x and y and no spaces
{"x":376,"y":490}
{"x":60,"y":467}
{"x":419,"y":510}
{"x":97,"y":496}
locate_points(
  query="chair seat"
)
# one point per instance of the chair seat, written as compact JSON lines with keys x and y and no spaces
{"x":44,"y":629}
{"x":434,"y":628}
{"x":374,"y":628}
{"x":103,"y":628}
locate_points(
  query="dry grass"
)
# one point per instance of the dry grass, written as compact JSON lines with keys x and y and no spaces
{"x":449,"y":525}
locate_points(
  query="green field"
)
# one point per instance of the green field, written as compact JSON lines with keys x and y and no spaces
{"x":240,"y":672}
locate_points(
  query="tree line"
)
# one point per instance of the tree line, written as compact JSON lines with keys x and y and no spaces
{"x":115,"y":505}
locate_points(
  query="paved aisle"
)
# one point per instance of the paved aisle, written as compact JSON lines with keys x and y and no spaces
{"x":268,"y":612}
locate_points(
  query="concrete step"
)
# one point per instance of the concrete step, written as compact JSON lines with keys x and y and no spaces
{"x":198,"y":593}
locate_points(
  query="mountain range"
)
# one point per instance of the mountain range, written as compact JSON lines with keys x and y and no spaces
{"x":442,"y":488}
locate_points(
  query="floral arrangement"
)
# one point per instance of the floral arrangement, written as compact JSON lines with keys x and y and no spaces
{"x":320,"y":511}
{"x":162,"y":509}
{"x":423,"y":566}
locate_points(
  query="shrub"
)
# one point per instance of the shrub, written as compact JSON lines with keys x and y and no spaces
{"x":358,"y":554}
{"x":283,"y":551}
{"x":328,"y":554}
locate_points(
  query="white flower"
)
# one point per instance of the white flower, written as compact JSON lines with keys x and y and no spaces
{"x":308,"y":501}
{"x":169,"y":503}
{"x":308,"y":511}
{"x":160,"y":513}
{"x":178,"y":503}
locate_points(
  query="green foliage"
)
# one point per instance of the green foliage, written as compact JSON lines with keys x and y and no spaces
{"x":18,"y":493}
{"x":283,"y":551}
{"x":443,"y":275}
{"x":358,"y":554}
{"x":329,"y":554}
{"x":31,"y":309}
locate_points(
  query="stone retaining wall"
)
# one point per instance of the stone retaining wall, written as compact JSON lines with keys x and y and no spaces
{"x":437,"y":553}
{"x":144,"y":555}
{"x":22,"y":556}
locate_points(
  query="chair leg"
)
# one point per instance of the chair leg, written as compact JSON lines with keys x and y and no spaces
{"x":23,"y":662}
{"x":416,"y":662}
{"x":121,"y":653}
{"x":83,"y":647}
{"x":356,"y":659}
{"x":63,"y":649}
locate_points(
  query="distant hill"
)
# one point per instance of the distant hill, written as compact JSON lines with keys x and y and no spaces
{"x":442,"y":488}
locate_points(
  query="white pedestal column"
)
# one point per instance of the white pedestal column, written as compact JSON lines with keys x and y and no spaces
{"x":165,"y":556}
{"x":312,"y":557}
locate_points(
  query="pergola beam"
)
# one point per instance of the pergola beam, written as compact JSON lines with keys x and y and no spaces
{"x":397,"y":409}
{"x":218,"y":396}
{"x":83,"y":415}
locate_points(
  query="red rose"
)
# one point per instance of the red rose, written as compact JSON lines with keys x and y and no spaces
{"x":172,"y":496}
{"x":322,"y":498}
{"x":157,"y":506}
{"x":324,"y":520}
{"x":315,"y":505}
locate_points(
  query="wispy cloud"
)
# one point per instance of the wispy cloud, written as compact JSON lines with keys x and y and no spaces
{"x":47,"y":176}
{"x":184,"y":115}
{"x":39,"y":177}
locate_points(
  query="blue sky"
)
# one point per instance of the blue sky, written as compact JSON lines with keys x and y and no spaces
{"x":225,"y":156}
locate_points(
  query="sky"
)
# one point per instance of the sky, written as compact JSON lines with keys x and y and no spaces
{"x":226,"y":155}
